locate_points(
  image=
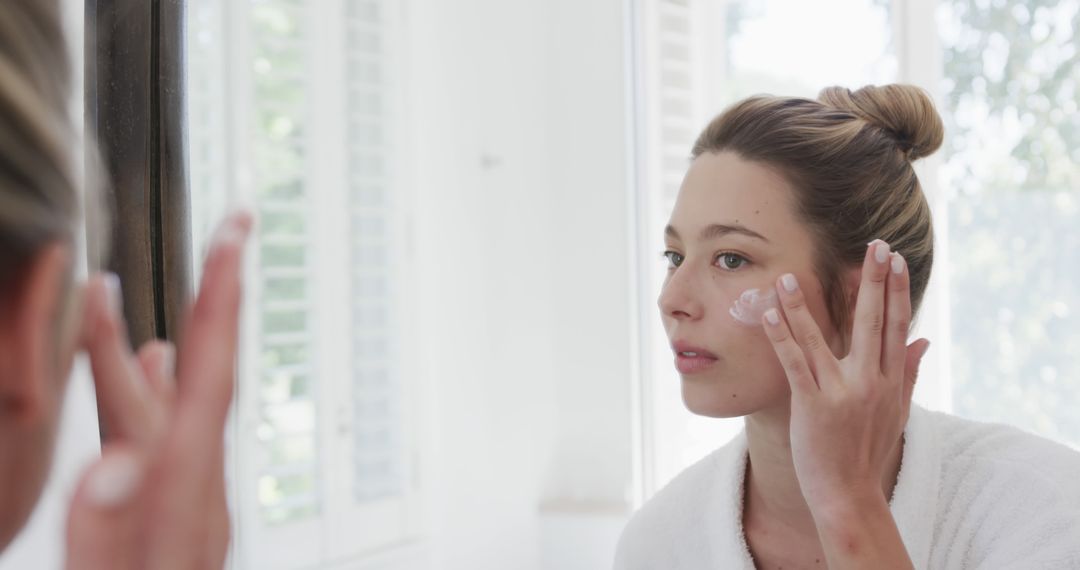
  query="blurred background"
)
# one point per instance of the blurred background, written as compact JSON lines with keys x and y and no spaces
{"x":452,"y":353}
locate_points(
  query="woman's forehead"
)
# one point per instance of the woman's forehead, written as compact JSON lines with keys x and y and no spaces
{"x":721,"y":188}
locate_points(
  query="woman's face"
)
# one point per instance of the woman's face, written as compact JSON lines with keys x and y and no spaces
{"x":37,"y":345}
{"x":733,"y":229}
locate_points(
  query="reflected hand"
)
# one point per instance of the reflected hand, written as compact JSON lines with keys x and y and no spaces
{"x":847,"y":415}
{"x":156,"y":498}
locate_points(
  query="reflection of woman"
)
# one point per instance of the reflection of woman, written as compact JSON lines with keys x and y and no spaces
{"x":818,"y":200}
{"x":156,"y":499}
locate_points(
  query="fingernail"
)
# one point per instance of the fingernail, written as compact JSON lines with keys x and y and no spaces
{"x":242,"y":208}
{"x":772,"y":316}
{"x":227,"y":233}
{"x":114,"y":480}
{"x":789,"y":282}
{"x":113,"y":294}
{"x":897,"y":263}
{"x":234,"y":229}
{"x":881,"y":252}
{"x":925,"y":348}
{"x":243,"y":219}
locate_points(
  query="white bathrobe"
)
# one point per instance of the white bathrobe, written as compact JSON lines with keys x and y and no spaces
{"x":969,"y":495}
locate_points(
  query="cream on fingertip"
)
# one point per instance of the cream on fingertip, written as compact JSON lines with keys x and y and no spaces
{"x":229,"y":233}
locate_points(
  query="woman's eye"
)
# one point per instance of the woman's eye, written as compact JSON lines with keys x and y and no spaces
{"x":730,"y":261}
{"x":727,"y":261}
{"x":674,"y":259}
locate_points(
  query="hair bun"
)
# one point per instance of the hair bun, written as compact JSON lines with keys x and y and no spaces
{"x":906,"y":112}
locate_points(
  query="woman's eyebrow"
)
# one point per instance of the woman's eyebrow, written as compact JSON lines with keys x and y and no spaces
{"x":718,"y":230}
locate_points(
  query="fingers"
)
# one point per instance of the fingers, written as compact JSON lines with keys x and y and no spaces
{"x":178,"y":510}
{"x":897,"y":318}
{"x":870,"y":307}
{"x":121,"y":393}
{"x":157,"y":360}
{"x":207,"y":361}
{"x":218,"y":524}
{"x":181,"y":519}
{"x":790,"y":354}
{"x":192,"y":518}
{"x":103,"y":522}
{"x":803,"y":326}
{"x":194,"y":468}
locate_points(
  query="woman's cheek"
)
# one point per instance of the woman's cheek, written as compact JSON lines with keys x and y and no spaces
{"x":744,"y":332}
{"x":737,"y":319}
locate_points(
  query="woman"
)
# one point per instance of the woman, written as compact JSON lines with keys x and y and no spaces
{"x":156,"y":499}
{"x":817,"y":202}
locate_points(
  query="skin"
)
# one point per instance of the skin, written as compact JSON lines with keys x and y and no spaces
{"x":34,"y":362}
{"x":824,"y":411}
{"x":156,"y":497}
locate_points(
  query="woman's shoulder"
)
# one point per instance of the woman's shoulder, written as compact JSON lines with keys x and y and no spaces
{"x":664,"y":531}
{"x":1006,"y":495}
{"x":977,"y":449}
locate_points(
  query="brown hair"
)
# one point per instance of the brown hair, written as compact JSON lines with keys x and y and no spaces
{"x":848,"y":155}
{"x":38,"y":168}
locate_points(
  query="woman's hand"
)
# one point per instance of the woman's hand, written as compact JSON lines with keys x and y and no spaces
{"x":156,"y":498}
{"x":848,"y":415}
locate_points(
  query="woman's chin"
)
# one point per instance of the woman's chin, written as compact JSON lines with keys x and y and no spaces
{"x":713,"y":400}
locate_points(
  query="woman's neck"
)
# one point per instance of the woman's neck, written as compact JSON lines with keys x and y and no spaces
{"x":771,"y":489}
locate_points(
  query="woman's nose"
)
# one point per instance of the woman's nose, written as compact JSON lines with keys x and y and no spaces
{"x":678,"y":299}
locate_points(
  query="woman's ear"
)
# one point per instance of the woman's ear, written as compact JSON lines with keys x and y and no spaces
{"x":29,"y":335}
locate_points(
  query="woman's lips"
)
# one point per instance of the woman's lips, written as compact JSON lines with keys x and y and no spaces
{"x":692,"y":364}
{"x":681,"y":345}
{"x":690,"y":358}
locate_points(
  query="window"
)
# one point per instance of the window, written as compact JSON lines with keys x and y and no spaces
{"x":1005,"y":77}
{"x":1009,"y":179}
{"x":292,"y":110}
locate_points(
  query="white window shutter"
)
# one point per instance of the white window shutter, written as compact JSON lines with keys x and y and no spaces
{"x":669,"y":117}
{"x":292,"y":109}
{"x":376,"y":399}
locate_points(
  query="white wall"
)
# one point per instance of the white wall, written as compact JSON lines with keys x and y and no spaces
{"x":590,"y":238}
{"x":587,"y":494}
{"x":519,"y":163}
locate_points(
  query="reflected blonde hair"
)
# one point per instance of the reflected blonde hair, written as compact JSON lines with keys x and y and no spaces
{"x":848,"y":154}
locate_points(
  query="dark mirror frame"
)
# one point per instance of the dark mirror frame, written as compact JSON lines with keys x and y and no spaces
{"x":135,"y":108}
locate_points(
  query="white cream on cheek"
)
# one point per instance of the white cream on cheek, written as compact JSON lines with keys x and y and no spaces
{"x":751,"y":306}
